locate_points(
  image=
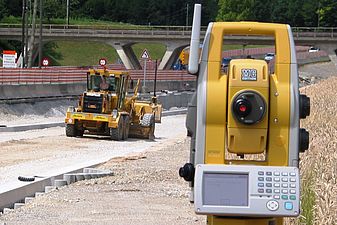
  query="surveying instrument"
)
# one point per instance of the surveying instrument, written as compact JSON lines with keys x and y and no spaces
{"x":245,"y":128}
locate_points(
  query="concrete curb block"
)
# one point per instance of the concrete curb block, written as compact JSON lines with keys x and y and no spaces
{"x":174,"y":112}
{"x":28,"y":199}
{"x":18,"y":197}
{"x":18,"y":205}
{"x":58,"y":124}
{"x":30,"y":127}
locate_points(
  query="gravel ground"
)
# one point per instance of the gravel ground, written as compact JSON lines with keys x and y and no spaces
{"x":48,"y":152}
{"x":313,"y":73}
{"x":146,"y":189}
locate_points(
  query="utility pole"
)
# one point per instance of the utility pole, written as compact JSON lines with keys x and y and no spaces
{"x":23,"y":33}
{"x":26,"y":34}
{"x":32,"y":36}
{"x":67,"y":13}
{"x":187,"y":6}
{"x":40,"y":37}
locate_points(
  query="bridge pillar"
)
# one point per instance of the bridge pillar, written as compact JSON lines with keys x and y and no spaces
{"x":127,"y":55}
{"x":171,"y":55}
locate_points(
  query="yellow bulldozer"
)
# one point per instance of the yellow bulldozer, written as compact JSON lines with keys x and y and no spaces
{"x":105,"y":108}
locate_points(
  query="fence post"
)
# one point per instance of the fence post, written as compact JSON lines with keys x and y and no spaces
{"x":332,"y":29}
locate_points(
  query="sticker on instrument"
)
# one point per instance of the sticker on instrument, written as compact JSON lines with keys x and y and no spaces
{"x":248,"y":74}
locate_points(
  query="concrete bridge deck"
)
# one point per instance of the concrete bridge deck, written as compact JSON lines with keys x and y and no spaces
{"x":175,"y":38}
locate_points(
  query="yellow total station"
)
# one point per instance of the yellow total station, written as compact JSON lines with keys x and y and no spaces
{"x":246,"y":115}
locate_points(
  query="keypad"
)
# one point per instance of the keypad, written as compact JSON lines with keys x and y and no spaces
{"x":280,"y":186}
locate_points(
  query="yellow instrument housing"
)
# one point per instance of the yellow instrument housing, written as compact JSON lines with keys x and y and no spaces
{"x":220,"y":89}
{"x":242,"y":138}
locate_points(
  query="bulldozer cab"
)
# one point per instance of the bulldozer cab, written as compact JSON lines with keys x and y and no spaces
{"x":107,"y":80}
{"x":110,"y":83}
{"x":102,"y":83}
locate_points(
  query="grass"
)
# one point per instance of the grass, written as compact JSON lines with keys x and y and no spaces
{"x":75,"y":21}
{"x":81,"y":53}
{"x":156,"y":51}
{"x":84,"y":53}
{"x":307,"y":201}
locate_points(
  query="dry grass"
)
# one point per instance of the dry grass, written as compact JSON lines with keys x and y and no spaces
{"x":319,"y":164}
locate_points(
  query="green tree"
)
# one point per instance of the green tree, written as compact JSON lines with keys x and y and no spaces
{"x":209,"y":11}
{"x":294,"y":13}
{"x":53,"y":9}
{"x":14,"y":7}
{"x":234,"y":10}
{"x":261,"y":10}
{"x":309,"y":13}
{"x":3,"y":9}
{"x":280,"y":11}
{"x":327,"y":13}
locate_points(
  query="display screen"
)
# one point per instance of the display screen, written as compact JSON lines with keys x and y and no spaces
{"x":225,"y":189}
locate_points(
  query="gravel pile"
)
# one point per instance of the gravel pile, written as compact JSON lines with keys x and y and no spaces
{"x":38,"y":112}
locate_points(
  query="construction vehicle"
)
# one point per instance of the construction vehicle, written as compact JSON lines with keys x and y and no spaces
{"x":106,"y":109}
{"x":182,"y":61}
{"x":245,"y":128}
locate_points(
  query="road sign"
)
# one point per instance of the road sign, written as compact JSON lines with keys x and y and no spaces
{"x":145,"y":54}
{"x":102,"y":62}
{"x":9,"y":58}
{"x":45,"y":61}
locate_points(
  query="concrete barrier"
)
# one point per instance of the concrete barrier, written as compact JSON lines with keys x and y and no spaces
{"x":40,"y":90}
{"x":19,"y":91}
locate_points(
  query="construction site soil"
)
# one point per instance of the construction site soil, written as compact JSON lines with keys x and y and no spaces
{"x":146,"y":189}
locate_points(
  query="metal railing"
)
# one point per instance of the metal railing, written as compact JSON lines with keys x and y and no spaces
{"x":315,"y":32}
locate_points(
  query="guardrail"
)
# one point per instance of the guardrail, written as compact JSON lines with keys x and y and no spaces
{"x":315,"y":32}
{"x":298,"y":32}
{"x":15,"y":29}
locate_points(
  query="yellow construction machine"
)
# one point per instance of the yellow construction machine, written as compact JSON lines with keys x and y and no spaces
{"x":105,"y":108}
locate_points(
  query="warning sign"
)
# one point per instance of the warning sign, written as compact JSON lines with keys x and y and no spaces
{"x":145,"y":54}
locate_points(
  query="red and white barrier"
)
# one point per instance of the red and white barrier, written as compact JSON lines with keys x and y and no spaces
{"x":56,"y":75}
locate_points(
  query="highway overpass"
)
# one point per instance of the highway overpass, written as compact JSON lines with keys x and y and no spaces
{"x":175,"y":38}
